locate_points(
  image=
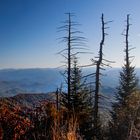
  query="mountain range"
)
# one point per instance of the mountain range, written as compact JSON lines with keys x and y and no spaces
{"x":44,"y":80}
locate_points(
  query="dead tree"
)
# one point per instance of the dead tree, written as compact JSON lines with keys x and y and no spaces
{"x":97,"y":79}
{"x":57,"y":99}
{"x":69,"y":55}
{"x":100,"y":64}
{"x":75,"y":45}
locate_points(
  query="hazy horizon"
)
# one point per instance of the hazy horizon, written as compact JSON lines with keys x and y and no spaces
{"x":56,"y":68}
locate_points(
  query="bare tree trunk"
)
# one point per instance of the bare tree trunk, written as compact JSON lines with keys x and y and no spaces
{"x":97,"y":80}
{"x":127,"y":43}
{"x":69,"y":57}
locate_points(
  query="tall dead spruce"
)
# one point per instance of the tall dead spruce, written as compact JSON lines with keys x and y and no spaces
{"x":74,"y":46}
{"x":100,"y":63}
{"x":71,"y":99}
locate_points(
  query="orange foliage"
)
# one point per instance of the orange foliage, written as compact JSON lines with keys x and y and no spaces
{"x":13,"y":122}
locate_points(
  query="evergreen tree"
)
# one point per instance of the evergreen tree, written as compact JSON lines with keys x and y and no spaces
{"x":127,"y":85}
{"x":82,"y":102}
{"x":128,"y":80}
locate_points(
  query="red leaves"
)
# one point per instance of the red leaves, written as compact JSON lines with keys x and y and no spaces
{"x":13,"y":122}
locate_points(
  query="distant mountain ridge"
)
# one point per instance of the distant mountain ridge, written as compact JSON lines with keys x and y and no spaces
{"x":44,"y":80}
{"x":28,"y":100}
{"x":15,"y":81}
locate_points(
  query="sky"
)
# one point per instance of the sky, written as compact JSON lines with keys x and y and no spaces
{"x":29,"y":30}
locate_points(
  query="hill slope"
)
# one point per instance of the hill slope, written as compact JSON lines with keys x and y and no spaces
{"x":27,"y":100}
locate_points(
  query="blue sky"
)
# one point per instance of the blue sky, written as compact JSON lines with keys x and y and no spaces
{"x":28,"y":30}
